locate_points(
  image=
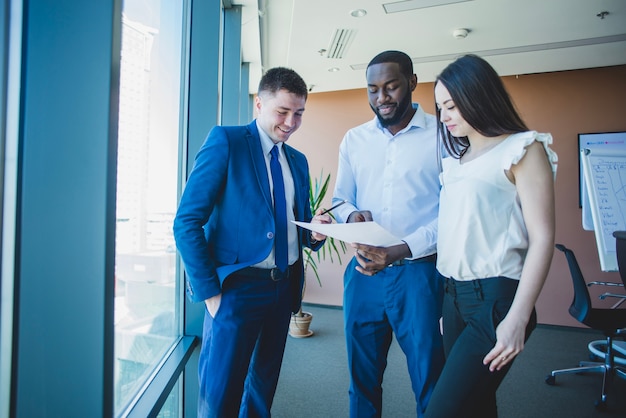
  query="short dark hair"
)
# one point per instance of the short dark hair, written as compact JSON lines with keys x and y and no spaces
{"x":281,"y":78}
{"x":399,"y":57}
{"x":482,"y":100}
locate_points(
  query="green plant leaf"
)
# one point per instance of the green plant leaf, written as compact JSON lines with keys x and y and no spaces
{"x":333,"y":249}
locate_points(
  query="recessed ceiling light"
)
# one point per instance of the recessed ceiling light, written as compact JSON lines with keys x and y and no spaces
{"x":333,"y":69}
{"x":460,"y":33}
{"x":358,"y":13}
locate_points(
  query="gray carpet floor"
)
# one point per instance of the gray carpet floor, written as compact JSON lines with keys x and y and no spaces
{"x":314,"y":378}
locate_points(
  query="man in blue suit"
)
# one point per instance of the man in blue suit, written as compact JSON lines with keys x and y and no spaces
{"x":236,"y":261}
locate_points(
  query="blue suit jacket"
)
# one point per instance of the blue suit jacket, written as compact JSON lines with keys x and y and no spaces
{"x":225,"y":218}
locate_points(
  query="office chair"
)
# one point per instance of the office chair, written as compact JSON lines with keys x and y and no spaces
{"x":598,"y":347}
{"x":620,"y":247}
{"x":610,"y":321}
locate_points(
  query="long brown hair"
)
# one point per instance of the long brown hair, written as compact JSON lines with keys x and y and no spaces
{"x":482,"y":100}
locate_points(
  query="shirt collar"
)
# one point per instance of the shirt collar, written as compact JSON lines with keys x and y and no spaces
{"x":266,"y":143}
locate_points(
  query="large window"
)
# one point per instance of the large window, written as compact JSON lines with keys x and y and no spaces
{"x":105,"y":112}
{"x":147,"y":295}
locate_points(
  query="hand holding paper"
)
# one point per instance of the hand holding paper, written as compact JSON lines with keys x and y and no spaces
{"x":369,"y":233}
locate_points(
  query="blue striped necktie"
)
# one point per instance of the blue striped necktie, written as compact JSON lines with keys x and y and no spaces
{"x":280,"y":212}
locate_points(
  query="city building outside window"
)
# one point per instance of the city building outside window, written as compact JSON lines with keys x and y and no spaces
{"x":147,"y":294}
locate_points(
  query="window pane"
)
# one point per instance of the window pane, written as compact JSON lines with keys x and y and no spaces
{"x":147,"y":314}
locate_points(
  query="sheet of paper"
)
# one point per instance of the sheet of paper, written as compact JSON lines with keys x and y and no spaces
{"x":369,"y":233}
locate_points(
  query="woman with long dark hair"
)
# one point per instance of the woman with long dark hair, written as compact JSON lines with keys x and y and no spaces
{"x":496,"y":234}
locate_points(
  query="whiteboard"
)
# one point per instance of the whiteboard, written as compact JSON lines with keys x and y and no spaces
{"x":605,"y":180}
{"x":598,"y":141}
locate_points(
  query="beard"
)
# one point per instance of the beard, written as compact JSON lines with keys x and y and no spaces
{"x":402,"y":108}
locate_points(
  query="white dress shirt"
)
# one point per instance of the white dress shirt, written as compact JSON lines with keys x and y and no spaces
{"x":396,"y":177}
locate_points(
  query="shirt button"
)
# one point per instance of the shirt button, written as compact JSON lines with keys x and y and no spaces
{"x":270,"y":235}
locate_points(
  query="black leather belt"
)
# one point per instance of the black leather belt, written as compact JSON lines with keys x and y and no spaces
{"x":426,"y":259}
{"x":272,"y":274}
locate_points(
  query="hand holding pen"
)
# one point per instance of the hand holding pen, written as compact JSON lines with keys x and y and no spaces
{"x":323,"y":217}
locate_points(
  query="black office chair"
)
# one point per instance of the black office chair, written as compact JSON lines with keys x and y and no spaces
{"x":620,"y":247}
{"x":598,"y":347}
{"x":610,"y":321}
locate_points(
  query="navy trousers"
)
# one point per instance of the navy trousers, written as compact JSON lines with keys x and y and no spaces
{"x":404,"y":300}
{"x":243,"y":346}
{"x":471,"y":312}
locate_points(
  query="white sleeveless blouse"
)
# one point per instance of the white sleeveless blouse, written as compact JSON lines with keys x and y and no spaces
{"x":481,"y":229}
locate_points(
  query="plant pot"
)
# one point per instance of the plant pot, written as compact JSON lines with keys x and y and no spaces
{"x":299,"y":325}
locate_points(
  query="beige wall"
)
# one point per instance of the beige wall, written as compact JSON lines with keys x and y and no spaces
{"x":563,"y":103}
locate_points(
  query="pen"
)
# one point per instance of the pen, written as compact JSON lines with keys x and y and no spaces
{"x":334,"y":207}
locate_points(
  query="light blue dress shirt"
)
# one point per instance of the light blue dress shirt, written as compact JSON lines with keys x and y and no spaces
{"x":294,"y":248}
{"x":396,"y":177}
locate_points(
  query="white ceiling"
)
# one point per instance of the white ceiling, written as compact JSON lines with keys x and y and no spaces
{"x":515,"y":36}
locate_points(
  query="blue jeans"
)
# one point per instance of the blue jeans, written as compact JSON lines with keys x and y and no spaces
{"x":471,"y":312}
{"x":403,"y":300}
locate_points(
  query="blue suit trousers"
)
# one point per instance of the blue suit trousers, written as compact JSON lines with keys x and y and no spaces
{"x":243,"y":346}
{"x":404,"y":300}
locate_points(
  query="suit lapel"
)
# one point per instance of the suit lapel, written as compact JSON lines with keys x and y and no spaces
{"x":258,"y":162}
{"x":260,"y":170}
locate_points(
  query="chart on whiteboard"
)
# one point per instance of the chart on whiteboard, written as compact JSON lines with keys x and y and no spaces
{"x":611,"y":187}
{"x":605,"y":143}
{"x":606,"y":177}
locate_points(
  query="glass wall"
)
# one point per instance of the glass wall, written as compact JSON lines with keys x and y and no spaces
{"x":105,"y":113}
{"x":147,"y":295}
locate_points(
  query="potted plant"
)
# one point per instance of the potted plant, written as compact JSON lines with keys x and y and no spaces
{"x":300,"y":321}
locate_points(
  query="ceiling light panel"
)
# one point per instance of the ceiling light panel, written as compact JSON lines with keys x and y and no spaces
{"x":403,"y":6}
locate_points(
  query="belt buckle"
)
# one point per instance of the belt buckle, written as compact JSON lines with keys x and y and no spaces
{"x":275,"y":274}
{"x":399,"y":262}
